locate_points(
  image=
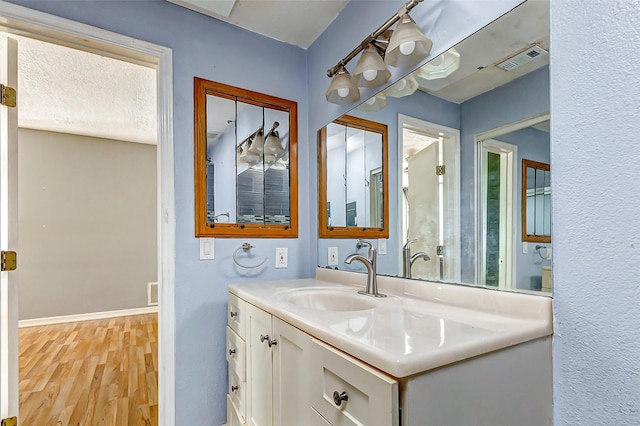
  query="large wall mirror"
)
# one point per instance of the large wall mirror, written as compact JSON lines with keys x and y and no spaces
{"x":245,"y":163}
{"x":352,"y":179}
{"x":460,"y":127}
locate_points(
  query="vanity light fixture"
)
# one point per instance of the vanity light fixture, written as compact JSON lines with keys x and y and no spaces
{"x":407,"y":45}
{"x":342,"y":89}
{"x":371,"y":70}
{"x":403,"y":87}
{"x":374,"y":103}
{"x":402,"y":47}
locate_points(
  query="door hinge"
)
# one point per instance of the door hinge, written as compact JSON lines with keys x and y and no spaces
{"x":8,"y":261}
{"x":440,"y":170}
{"x":440,"y":250}
{"x":7,"y":96}
{"x":10,"y":421}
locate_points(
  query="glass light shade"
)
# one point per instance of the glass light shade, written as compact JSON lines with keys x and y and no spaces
{"x":374,"y":103}
{"x":407,"y":45}
{"x":404,"y":87}
{"x":244,"y":156}
{"x":272,"y":148}
{"x":371,"y":70}
{"x":342,"y":89}
{"x":255,"y":145}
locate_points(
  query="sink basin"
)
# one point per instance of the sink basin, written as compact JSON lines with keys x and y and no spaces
{"x":329,"y":299}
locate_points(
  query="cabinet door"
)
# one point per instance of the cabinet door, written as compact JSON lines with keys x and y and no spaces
{"x":259,"y":367}
{"x":363,"y":396}
{"x":291,"y":396}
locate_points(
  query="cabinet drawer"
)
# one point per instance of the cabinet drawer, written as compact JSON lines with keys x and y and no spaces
{"x":372,"y":397}
{"x":236,"y":353}
{"x":236,"y":315}
{"x":233,"y":415}
{"x":317,"y":419}
{"x":237,"y":392}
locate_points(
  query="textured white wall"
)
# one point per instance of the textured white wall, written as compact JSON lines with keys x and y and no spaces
{"x":595,"y":98}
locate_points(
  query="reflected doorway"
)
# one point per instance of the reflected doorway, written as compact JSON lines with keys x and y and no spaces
{"x":429,"y":207}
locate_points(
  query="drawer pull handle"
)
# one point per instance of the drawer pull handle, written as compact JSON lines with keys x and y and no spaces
{"x":231,"y":352}
{"x":233,"y":314}
{"x":234,"y":388}
{"x":270,"y":342}
{"x":339,"y":397}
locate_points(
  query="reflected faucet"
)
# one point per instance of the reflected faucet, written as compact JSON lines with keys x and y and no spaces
{"x":407,"y":259}
{"x":370,"y":264}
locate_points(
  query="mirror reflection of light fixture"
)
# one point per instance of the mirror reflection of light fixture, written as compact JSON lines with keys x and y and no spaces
{"x":342,"y":89}
{"x":402,"y":47}
{"x":256,"y":143}
{"x":272,"y":148}
{"x":408,"y":45}
{"x":441,"y":66}
{"x":374,"y":103}
{"x":371,"y":70}
{"x":403,"y":87}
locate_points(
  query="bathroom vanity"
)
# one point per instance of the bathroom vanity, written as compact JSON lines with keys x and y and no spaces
{"x":315,"y":352}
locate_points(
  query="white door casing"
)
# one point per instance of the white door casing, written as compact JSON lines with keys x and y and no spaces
{"x":70,"y":33}
{"x":8,"y":232}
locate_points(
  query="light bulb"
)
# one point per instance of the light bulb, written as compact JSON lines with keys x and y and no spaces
{"x":343,"y":92}
{"x":370,"y":75}
{"x":407,"y":47}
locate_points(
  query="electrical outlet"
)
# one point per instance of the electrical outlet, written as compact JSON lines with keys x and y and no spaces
{"x":525,"y":247}
{"x":207,"y":249}
{"x":382,"y":246}
{"x":332,"y":256}
{"x":282,"y":257}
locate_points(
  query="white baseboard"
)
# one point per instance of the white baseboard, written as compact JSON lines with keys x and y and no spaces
{"x":86,"y":317}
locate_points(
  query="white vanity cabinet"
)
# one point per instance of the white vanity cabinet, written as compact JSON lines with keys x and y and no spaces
{"x":274,"y":387}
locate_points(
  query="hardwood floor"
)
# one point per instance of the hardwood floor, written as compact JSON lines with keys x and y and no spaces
{"x":100,"y":372}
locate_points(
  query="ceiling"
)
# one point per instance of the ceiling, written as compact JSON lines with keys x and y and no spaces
{"x":525,"y":26}
{"x":297,"y":22}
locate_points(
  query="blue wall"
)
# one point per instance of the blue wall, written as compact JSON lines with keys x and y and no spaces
{"x":595,"y":95}
{"x":213,"y":50}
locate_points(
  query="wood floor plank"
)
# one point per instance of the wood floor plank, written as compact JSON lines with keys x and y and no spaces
{"x":101,"y":372}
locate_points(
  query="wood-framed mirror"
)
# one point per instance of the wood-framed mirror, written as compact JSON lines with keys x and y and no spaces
{"x":246,"y":165}
{"x":536,"y":201}
{"x":353,"y":189}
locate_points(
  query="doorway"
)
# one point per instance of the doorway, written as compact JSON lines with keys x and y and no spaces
{"x":429,"y":207}
{"x":83,"y":37}
{"x":497,"y":169}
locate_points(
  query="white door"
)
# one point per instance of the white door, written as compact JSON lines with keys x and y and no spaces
{"x":8,"y":233}
{"x":497,"y":213}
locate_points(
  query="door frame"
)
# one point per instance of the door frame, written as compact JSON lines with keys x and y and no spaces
{"x":508,"y":197}
{"x":453,"y":190}
{"x":24,"y":21}
{"x":478,"y":138}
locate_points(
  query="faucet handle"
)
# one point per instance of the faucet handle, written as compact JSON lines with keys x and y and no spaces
{"x":363,"y":243}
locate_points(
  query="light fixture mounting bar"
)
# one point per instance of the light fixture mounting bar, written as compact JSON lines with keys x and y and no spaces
{"x":373,"y":36}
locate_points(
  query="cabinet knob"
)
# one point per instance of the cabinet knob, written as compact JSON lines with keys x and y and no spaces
{"x":231,"y":352}
{"x":234,"y":388}
{"x":270,"y":342}
{"x":339,"y":397}
{"x":233,"y":314}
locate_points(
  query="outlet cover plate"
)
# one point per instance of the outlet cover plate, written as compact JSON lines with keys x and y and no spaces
{"x":282,"y":257}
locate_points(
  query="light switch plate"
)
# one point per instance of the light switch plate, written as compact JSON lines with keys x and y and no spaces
{"x":207,"y":248}
{"x":525,"y":247}
{"x":282,"y":257}
{"x":548,"y":253}
{"x":332,"y":256}
{"x":382,"y":246}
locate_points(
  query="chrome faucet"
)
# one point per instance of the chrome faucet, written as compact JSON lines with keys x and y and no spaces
{"x":407,"y":259}
{"x":370,"y":264}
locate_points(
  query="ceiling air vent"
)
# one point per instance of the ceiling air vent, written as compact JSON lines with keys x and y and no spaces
{"x":522,"y":58}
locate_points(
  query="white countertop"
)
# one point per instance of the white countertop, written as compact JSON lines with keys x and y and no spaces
{"x":419,"y":327}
